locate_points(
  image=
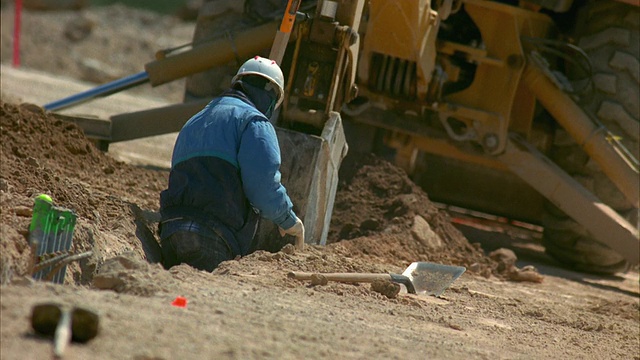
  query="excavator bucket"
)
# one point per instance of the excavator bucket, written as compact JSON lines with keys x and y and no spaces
{"x":309,"y":170}
{"x":310,"y":163}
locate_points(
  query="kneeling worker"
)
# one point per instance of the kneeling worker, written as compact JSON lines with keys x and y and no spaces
{"x":225,"y":174}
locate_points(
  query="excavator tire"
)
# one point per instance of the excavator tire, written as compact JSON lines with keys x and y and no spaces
{"x":608,"y":31}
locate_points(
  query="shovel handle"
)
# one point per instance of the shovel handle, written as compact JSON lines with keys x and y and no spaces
{"x":357,"y":278}
{"x":62,"y":336}
{"x":300,"y":241}
{"x":341,"y":277}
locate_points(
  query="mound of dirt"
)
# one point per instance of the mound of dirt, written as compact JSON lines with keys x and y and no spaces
{"x":41,"y":154}
{"x":379,"y":212}
{"x":385,"y":215}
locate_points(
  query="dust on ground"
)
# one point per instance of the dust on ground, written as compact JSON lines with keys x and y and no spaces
{"x":250,"y":308}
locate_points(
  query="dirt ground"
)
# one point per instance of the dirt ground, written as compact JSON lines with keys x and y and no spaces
{"x":249,"y":308}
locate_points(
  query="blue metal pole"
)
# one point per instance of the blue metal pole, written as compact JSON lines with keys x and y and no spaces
{"x":100,"y":91}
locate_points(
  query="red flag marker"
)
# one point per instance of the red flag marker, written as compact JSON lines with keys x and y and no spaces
{"x":180,"y":302}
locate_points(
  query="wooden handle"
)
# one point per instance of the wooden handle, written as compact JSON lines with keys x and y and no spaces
{"x":62,"y":335}
{"x":284,"y":32}
{"x":300,"y":242}
{"x":341,"y":277}
{"x":289,"y":16}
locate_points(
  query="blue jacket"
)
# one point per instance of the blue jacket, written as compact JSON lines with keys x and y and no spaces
{"x":225,"y":165}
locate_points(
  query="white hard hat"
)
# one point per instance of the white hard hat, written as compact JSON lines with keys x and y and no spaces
{"x":266,"y":68}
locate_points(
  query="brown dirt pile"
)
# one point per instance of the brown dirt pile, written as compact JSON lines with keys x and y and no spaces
{"x":378,"y":209}
{"x":41,"y":154}
{"x":385,"y":215}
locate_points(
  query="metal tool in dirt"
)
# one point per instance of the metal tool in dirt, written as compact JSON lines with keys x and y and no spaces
{"x":421,"y":278}
{"x":65,"y":324}
{"x":150,"y":244}
{"x":50,"y":237}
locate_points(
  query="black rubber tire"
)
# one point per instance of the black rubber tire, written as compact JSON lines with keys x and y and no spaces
{"x":608,"y":32}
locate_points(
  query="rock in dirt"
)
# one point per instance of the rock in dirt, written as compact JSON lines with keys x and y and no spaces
{"x":288,"y":249}
{"x":527,"y":273}
{"x":422,"y":232}
{"x":128,"y":274}
{"x":386,"y":288}
{"x":319,"y":279}
{"x":506,"y":260}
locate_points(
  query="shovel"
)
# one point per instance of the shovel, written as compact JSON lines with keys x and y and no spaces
{"x":422,"y":278}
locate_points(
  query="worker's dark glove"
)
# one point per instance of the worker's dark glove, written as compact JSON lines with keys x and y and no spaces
{"x":296,"y":230}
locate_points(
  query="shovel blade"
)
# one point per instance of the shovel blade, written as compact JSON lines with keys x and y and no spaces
{"x":431,"y":278}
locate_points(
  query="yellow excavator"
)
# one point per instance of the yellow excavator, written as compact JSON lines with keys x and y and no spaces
{"x":524,"y":109}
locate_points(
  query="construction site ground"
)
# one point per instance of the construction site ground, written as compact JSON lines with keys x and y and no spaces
{"x":248,"y":308}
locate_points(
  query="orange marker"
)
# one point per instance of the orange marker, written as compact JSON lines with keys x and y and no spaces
{"x":284,"y":32}
{"x":289,"y":16}
{"x":180,"y":302}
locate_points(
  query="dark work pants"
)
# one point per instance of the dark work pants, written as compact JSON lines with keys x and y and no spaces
{"x":201,"y":252}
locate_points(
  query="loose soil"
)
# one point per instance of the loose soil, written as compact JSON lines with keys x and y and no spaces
{"x":249,"y":308}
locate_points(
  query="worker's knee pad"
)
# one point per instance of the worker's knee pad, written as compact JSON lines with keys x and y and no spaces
{"x":186,"y":245}
{"x":179,"y":248}
{"x":198,"y":251}
{"x":213,"y":251}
